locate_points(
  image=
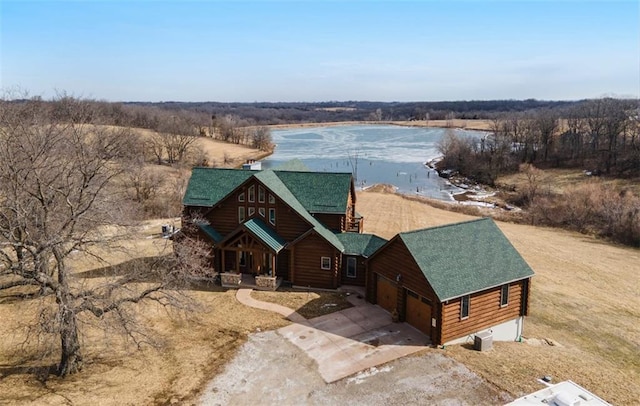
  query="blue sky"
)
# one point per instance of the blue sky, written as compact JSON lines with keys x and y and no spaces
{"x":321,"y":51}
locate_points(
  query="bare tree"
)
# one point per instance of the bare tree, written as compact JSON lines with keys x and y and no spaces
{"x":155,"y":146}
{"x":261,"y":139}
{"x":546,"y":123}
{"x":59,"y":197}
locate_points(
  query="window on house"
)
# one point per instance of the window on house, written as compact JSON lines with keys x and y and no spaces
{"x":241,"y":197}
{"x":251,"y":211}
{"x":272,"y":216}
{"x":325,"y":263}
{"x":464,"y":307}
{"x":351,"y":267}
{"x":504,"y":295}
{"x":261,"y":211}
{"x":252,"y":194}
{"x":260,"y":194}
{"x":272,"y":200}
{"x":240,"y":214}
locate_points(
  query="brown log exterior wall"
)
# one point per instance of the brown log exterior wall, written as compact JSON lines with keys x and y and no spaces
{"x":289,"y":225}
{"x":224,"y":217}
{"x":484,"y":311}
{"x":334,"y":222}
{"x":394,"y":260}
{"x":306,"y":262}
{"x":282,"y":265}
{"x":361,"y":271}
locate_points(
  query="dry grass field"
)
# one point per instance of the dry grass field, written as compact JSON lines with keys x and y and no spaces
{"x":584,"y":300}
{"x":557,"y":180}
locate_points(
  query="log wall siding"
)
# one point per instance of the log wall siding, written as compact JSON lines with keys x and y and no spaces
{"x":361,"y":271}
{"x":484,"y":311}
{"x":307,"y":257}
{"x":334,"y":222}
{"x":224,"y":217}
{"x":282,"y":265}
{"x":394,"y":260}
{"x":289,"y":225}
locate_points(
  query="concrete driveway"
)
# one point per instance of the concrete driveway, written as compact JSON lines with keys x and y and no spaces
{"x":353,"y":340}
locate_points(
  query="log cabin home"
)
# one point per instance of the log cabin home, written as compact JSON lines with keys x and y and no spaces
{"x":452,"y":282}
{"x":301,"y":227}
{"x":292,"y":225}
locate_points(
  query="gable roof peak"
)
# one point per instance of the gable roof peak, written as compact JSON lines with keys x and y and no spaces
{"x":462,"y":258}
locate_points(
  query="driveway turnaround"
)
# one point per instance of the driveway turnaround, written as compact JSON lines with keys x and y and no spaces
{"x":269,"y":370}
{"x":348,"y":341}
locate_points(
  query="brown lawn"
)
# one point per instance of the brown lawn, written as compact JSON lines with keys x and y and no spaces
{"x":307,"y":303}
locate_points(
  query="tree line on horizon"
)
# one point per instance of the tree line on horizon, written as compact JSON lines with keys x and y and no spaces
{"x":270,"y":113}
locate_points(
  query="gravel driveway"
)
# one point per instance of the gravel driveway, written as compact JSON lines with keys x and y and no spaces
{"x":268,"y":370}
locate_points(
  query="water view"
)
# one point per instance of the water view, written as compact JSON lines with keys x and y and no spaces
{"x":373,"y":153}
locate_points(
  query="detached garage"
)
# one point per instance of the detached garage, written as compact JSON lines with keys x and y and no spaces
{"x":453,"y":281}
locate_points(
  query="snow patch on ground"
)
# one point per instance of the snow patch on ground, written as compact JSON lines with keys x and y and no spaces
{"x":362,"y":376}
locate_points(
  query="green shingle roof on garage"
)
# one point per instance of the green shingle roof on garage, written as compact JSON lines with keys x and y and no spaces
{"x":207,"y":186}
{"x":360,"y":244}
{"x":463,"y":258}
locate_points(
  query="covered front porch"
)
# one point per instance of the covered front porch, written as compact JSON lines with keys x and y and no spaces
{"x":249,"y":256}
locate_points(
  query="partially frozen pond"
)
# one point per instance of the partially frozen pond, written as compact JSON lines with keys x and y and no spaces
{"x":373,"y":153}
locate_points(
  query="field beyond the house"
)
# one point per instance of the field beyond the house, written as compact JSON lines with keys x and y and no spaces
{"x":584,"y":305}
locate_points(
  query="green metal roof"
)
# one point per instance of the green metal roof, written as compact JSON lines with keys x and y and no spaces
{"x":265,"y":234}
{"x":360,"y":244}
{"x":319,"y":192}
{"x":207,"y":186}
{"x":210,"y":231}
{"x":464,"y":258}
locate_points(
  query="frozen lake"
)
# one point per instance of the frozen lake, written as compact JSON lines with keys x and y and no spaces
{"x":373,"y":153}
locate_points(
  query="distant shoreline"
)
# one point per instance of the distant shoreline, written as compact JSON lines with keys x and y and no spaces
{"x":474,"y":125}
